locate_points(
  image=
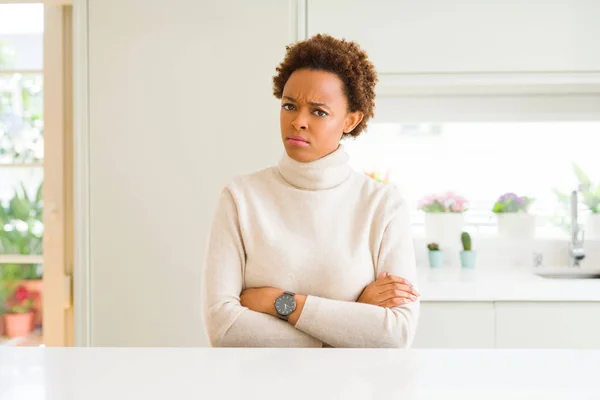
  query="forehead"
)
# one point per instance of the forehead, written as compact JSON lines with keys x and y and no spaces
{"x":317,"y":86}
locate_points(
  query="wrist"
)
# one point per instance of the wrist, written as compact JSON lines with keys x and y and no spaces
{"x":293,"y":317}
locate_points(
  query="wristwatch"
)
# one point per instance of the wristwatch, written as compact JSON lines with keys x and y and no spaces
{"x":285,"y":305}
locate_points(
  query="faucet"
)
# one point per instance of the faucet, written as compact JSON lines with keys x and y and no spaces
{"x":576,"y":252}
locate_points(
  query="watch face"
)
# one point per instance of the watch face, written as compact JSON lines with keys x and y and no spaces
{"x":285,"y":304}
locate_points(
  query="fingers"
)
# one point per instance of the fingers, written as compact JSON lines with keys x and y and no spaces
{"x":398,"y":291}
{"x":395,"y":297}
{"x":395,"y":302}
{"x":396,"y":279}
{"x":398,"y":286}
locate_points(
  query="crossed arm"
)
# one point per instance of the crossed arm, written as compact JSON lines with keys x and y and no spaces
{"x":385,"y":315}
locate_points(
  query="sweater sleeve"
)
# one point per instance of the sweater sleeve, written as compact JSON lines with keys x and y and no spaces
{"x":228,"y":323}
{"x":350,"y":324}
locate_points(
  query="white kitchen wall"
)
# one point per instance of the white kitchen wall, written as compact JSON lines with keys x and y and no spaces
{"x":180,"y":101}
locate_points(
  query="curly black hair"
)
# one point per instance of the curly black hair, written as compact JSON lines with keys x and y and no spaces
{"x":344,"y":58}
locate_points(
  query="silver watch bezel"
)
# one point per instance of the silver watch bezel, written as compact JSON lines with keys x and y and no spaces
{"x":285,"y":295}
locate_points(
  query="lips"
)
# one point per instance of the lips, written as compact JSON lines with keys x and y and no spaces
{"x":298,"y":139}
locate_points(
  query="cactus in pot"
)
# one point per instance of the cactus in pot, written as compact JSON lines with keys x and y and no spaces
{"x":433,"y":247}
{"x":436,"y":256}
{"x":465,"y":238}
{"x":467,"y":255}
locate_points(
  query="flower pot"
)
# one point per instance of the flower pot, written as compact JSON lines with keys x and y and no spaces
{"x":592,"y":226}
{"x":436,"y":258}
{"x":18,"y":325}
{"x":36,"y":286}
{"x":444,"y":228}
{"x":516,"y":225}
{"x":2,"y":325}
{"x":467,"y":259}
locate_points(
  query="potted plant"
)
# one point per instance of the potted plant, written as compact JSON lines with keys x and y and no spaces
{"x":514,"y":219}
{"x":444,"y":217}
{"x":467,"y":255}
{"x":10,"y":276}
{"x":436,"y":256}
{"x":21,"y":233}
{"x":19,"y":312}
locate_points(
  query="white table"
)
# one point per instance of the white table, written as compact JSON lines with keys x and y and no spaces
{"x":201,"y":373}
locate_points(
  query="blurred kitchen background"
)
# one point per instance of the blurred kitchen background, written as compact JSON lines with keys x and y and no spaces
{"x":121,"y":120}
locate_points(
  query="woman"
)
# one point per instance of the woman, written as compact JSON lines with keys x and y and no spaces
{"x":310,"y":253}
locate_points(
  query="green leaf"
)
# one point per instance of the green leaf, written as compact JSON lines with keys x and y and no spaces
{"x":3,"y":216}
{"x":12,"y":272}
{"x":19,"y":208}
{"x":39,"y":194}
{"x":563,"y":197}
{"x":24,"y":193}
{"x":581,"y":176}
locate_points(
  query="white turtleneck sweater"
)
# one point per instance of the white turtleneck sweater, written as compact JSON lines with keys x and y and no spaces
{"x":319,"y":229}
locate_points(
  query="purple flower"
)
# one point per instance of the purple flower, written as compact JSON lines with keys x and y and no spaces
{"x":510,"y":202}
{"x":507,"y":196}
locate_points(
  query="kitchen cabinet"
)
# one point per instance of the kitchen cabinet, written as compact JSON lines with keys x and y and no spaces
{"x":509,"y":324}
{"x":455,"y":325}
{"x":547,"y":324}
{"x":465,"y":43}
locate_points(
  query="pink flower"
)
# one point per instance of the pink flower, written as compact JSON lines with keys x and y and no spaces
{"x":457,"y":207}
{"x":21,"y":294}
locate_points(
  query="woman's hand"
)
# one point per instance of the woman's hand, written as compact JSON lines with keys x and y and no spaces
{"x":388,"y":291}
{"x":261,"y":300}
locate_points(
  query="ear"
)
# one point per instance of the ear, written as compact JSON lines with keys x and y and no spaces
{"x":352,"y":119}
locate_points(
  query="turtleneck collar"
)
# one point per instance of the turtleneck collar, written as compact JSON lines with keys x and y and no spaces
{"x":325,"y":173}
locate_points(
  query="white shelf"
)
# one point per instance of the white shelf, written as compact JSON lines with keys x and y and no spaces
{"x":22,"y":165}
{"x":20,"y":259}
{"x":20,"y":71}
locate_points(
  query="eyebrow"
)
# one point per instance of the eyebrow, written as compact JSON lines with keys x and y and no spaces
{"x":312,"y":103}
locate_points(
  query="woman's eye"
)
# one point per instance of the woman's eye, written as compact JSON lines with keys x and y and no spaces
{"x":320,"y":113}
{"x":288,"y":107}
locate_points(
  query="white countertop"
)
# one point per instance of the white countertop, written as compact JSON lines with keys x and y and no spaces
{"x":455,"y":284}
{"x":365,"y":374}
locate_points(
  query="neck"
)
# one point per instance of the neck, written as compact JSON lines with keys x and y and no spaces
{"x":325,"y":173}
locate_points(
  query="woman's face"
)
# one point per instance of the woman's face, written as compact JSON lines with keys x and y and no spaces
{"x":314,"y":114}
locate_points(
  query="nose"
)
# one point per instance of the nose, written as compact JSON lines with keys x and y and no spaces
{"x":300,"y":122}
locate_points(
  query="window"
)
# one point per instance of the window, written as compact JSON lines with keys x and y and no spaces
{"x":481,"y":161}
{"x":21,"y":155}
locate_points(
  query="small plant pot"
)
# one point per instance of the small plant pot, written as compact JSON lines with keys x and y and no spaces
{"x":436,"y":258}
{"x":18,"y":325}
{"x":2,"y":330}
{"x":467,"y":259}
{"x":36,"y":286}
{"x":516,"y":225}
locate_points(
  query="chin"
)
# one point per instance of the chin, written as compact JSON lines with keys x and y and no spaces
{"x":299,"y":154}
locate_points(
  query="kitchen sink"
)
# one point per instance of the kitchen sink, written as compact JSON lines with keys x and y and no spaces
{"x":568,"y":273}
